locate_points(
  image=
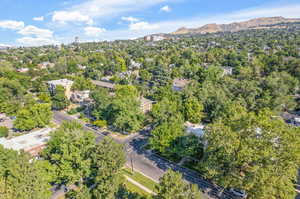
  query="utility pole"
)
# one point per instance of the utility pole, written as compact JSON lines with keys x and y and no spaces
{"x":131,"y":161}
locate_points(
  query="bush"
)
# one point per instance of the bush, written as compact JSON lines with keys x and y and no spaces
{"x":100,"y":123}
{"x":72,"y":111}
{"x":3,"y":131}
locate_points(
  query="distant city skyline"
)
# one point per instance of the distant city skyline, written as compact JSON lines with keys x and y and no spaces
{"x":53,"y":22}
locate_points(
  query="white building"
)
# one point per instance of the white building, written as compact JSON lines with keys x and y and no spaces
{"x":196,"y":129}
{"x":67,"y":84}
{"x":154,"y":38}
{"x":227,"y":70}
{"x":23,"y":70}
{"x":32,"y":143}
{"x":146,"y":104}
{"x":80,"y":96}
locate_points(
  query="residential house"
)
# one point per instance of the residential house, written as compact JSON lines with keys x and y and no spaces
{"x":227,"y":70}
{"x":67,"y":84}
{"x":180,"y":84}
{"x":135,"y":65}
{"x":106,"y":78}
{"x":45,"y":65}
{"x":81,"y":67}
{"x":23,"y":70}
{"x":81,"y":96}
{"x":195,"y":129}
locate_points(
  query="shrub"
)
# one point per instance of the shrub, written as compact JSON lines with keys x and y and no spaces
{"x":100,"y":123}
{"x":72,"y":111}
{"x":3,"y":131}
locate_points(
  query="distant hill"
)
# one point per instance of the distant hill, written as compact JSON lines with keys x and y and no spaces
{"x":258,"y":23}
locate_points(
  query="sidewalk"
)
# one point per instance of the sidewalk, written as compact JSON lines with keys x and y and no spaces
{"x":139,"y":185}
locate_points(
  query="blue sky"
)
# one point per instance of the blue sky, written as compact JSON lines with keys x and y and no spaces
{"x":38,"y":22}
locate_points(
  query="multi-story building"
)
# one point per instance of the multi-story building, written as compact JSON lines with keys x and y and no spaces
{"x":67,"y":84}
{"x":146,"y":104}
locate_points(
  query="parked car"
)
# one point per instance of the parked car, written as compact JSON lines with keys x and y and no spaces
{"x":239,"y":193}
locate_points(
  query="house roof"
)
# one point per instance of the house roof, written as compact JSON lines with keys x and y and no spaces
{"x":145,"y":101}
{"x":28,"y":141}
{"x":62,"y":82}
{"x":196,"y":129}
{"x":180,"y":82}
{"x":103,"y":84}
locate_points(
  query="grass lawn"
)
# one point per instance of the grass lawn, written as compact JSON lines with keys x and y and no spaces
{"x":143,"y":180}
{"x":133,"y":188}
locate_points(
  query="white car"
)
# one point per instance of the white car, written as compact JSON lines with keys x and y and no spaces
{"x":239,"y":193}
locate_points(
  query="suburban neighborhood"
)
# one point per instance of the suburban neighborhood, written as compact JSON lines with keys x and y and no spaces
{"x":202,"y":112}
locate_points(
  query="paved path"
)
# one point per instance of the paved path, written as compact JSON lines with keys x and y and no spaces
{"x":152,"y":165}
{"x":139,"y":185}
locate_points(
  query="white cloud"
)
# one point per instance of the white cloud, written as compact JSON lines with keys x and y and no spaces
{"x":36,"y":41}
{"x":5,"y":45}
{"x":143,"y":25}
{"x":71,"y":16}
{"x":41,"y":18}
{"x":130,"y":19}
{"x":290,"y":11}
{"x":91,"y":9}
{"x":34,"y":36}
{"x":38,"y":32}
{"x":93,"y":31}
{"x":13,"y":25}
{"x":165,"y":9}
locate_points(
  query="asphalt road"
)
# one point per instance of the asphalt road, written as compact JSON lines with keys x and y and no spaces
{"x":152,"y":165}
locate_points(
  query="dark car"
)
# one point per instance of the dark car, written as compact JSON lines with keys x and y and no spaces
{"x":239,"y":193}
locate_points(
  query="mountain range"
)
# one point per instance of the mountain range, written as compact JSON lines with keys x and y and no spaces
{"x":258,"y":23}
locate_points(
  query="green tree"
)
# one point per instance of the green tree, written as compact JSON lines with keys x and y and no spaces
{"x":166,"y":110}
{"x":256,"y":153}
{"x":45,"y":97}
{"x":20,"y":178}
{"x":172,"y":186}
{"x":3,"y":131}
{"x":121,"y":64}
{"x":82,"y":192}
{"x":165,"y":134}
{"x":37,"y":115}
{"x":102,"y":101}
{"x":24,"y":120}
{"x":82,"y":83}
{"x":42,"y":114}
{"x":59,"y":100}
{"x":193,"y":110}
{"x":107,"y":160}
{"x":126,"y":91}
{"x":125,"y":116}
{"x":12,"y":93}
{"x":69,"y":151}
